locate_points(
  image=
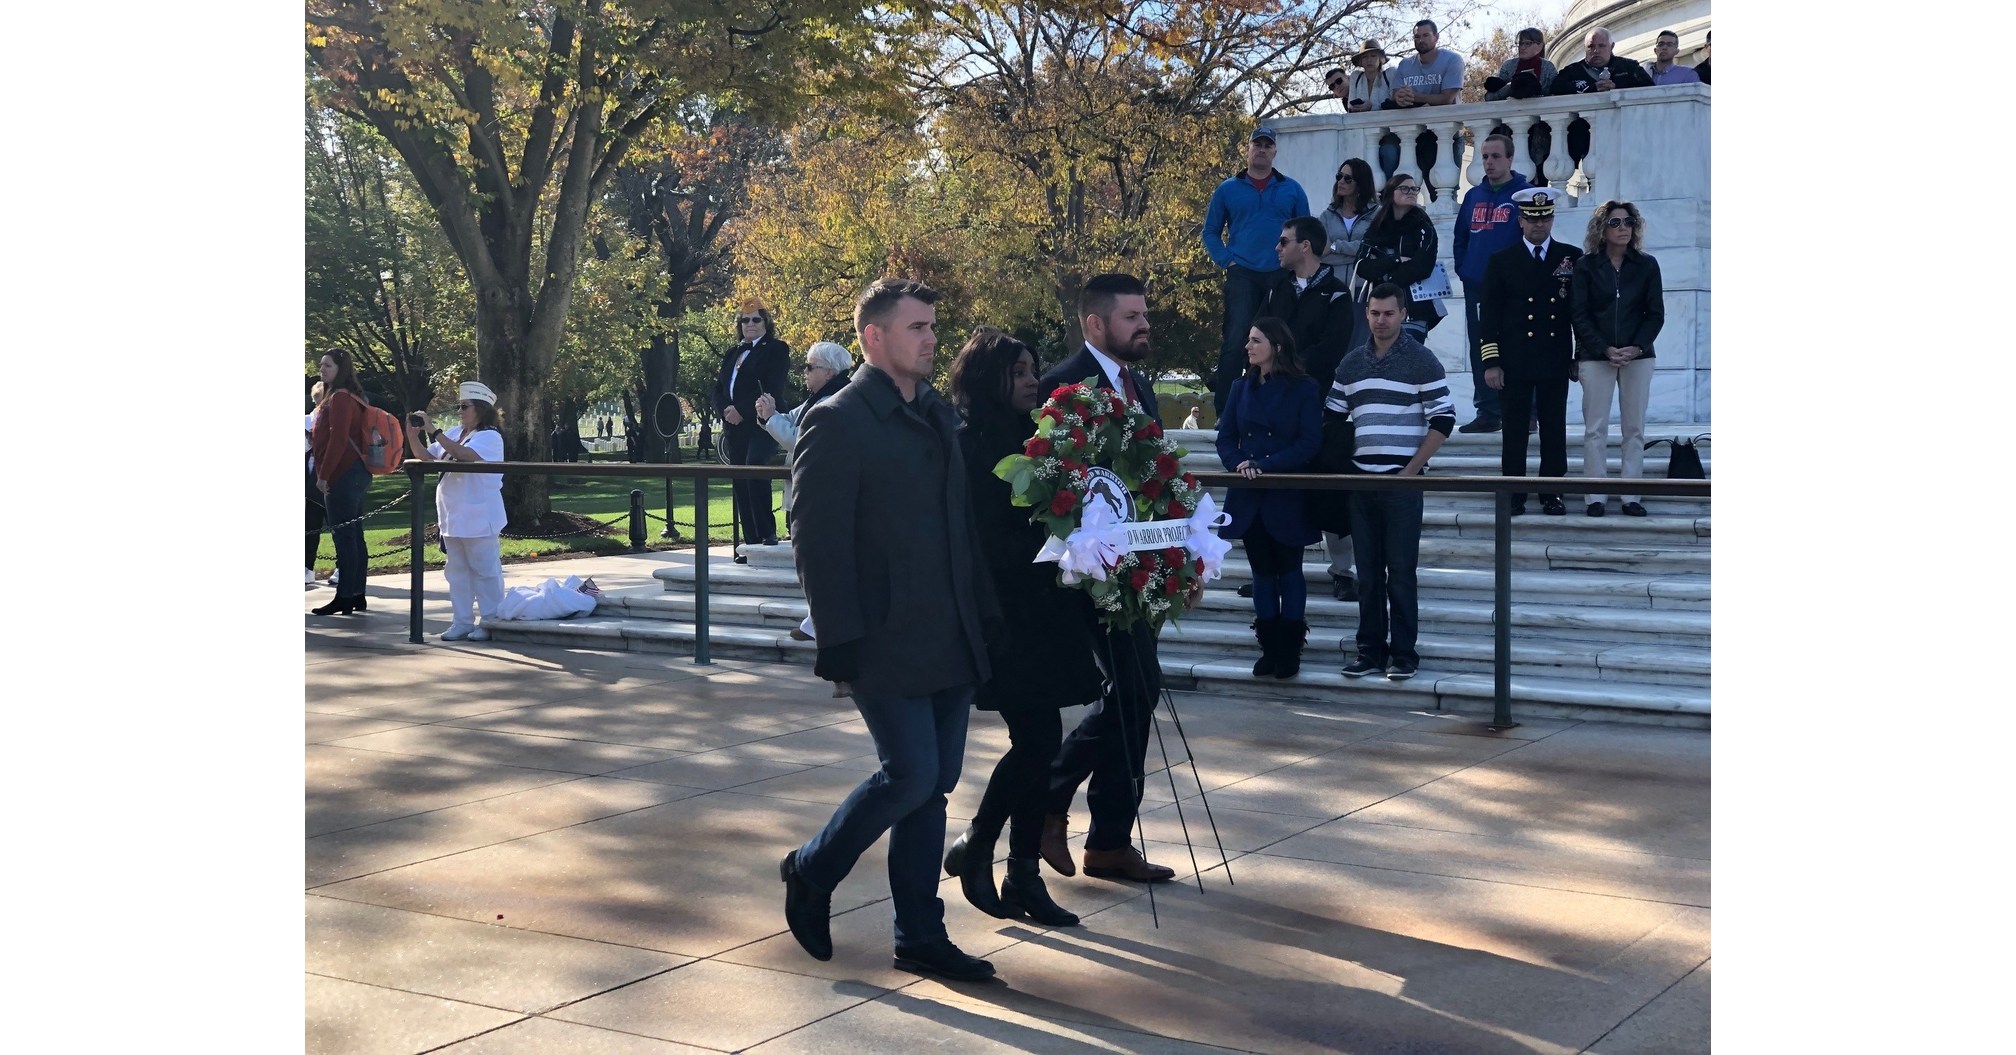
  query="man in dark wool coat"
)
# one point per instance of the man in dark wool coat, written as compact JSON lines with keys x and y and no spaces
{"x":889,"y":557}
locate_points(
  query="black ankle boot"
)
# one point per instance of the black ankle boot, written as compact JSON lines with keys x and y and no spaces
{"x":1267,"y":632}
{"x":1289,"y":639}
{"x":971,"y":858}
{"x":339,"y":606}
{"x":1023,"y":894}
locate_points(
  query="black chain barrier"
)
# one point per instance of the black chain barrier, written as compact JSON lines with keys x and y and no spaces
{"x":359,"y":520}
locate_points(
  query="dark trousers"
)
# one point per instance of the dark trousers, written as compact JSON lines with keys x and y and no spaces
{"x":753,"y":446}
{"x":1018,"y":792}
{"x":1386,"y":540}
{"x":1279,"y":590}
{"x":1485,"y":398}
{"x":1111,"y":743}
{"x":1549,"y":399}
{"x":921,"y":741}
{"x":1245,"y":288}
{"x":345,"y":503}
{"x":315,"y":520}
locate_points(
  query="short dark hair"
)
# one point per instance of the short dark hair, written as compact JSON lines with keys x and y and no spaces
{"x":881,"y":298}
{"x":1529,"y":33}
{"x":1430,"y":23}
{"x":1102,"y":290}
{"x":1334,"y":69}
{"x":1308,"y":229}
{"x":979,"y":375}
{"x":1393,"y":290}
{"x":1668,"y":33}
{"x":1286,"y":362}
{"x":1499,"y":138}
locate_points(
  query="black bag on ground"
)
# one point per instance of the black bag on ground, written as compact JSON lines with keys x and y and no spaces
{"x":1685,"y":463}
{"x":1331,"y":510}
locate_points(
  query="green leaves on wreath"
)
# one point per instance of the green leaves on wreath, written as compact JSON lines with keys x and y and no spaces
{"x":1019,"y":471}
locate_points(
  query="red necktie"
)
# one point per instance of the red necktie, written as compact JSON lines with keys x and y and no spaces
{"x":1127,"y":385}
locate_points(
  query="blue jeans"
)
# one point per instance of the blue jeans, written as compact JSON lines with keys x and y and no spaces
{"x":1386,"y":539}
{"x":1245,"y":288}
{"x":345,"y":502}
{"x":921,"y":741}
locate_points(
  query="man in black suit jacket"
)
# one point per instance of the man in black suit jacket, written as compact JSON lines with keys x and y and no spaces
{"x":1527,"y":340}
{"x":1110,"y":745}
{"x":758,"y":363}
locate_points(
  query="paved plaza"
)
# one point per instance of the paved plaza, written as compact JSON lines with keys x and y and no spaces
{"x":518,"y":849}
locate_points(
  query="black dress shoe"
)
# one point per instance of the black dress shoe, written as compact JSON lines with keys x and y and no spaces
{"x":339,"y":606}
{"x":1633,"y":509}
{"x":943,"y":959}
{"x":1246,"y":589}
{"x":770,"y":541}
{"x":1343,"y":588}
{"x":807,"y":909}
{"x":1519,"y":508}
{"x":1595,"y":509}
{"x":1553,"y":506}
{"x":1481,"y":425}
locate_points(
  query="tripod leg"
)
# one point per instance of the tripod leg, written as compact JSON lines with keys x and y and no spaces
{"x":1170,"y":699}
{"x":1177,"y":797}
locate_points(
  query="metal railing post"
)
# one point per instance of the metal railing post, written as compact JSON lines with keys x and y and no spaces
{"x":1501,"y":616}
{"x":636,"y":520}
{"x":671,"y":528}
{"x":418,"y":589}
{"x":700,"y":644}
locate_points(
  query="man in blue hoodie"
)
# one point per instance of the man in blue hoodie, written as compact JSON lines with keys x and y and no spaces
{"x":1486,"y":222}
{"x":1241,"y":226}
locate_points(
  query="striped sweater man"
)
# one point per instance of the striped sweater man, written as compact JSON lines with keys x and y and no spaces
{"x":1394,"y":401}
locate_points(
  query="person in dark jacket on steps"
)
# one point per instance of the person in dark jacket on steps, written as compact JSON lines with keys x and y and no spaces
{"x":1050,"y":638}
{"x":1400,"y":248}
{"x":1618,"y":305}
{"x":1273,"y":424}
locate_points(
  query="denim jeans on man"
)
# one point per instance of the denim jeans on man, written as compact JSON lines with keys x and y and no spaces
{"x":1245,"y":290}
{"x":1386,"y":539}
{"x":345,"y":504}
{"x":921,"y":741}
{"x":1484,"y":397}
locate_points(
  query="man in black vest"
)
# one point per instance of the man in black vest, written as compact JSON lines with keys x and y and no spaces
{"x":1110,"y":745}
{"x":889,"y":557}
{"x":758,"y":363}
{"x":1527,"y":341}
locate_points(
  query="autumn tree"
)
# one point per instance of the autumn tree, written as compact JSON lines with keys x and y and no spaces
{"x":513,"y":117}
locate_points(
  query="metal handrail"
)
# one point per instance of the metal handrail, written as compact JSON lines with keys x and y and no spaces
{"x":1503,"y":487}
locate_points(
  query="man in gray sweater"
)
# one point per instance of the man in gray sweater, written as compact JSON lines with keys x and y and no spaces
{"x":1398,"y":398}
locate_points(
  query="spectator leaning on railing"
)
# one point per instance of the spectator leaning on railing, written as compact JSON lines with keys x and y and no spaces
{"x":1664,"y":70}
{"x":1526,"y":74}
{"x":1701,"y":68}
{"x":1600,"y":70}
{"x":1429,"y":77}
{"x":1240,"y":227}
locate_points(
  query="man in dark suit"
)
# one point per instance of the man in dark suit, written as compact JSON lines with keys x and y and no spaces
{"x":1110,"y":745}
{"x":889,"y":557}
{"x":1527,"y":341}
{"x":758,"y":363}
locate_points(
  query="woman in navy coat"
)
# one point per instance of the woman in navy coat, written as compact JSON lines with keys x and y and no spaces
{"x":1273,"y":423}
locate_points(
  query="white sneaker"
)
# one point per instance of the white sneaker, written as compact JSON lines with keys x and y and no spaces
{"x":458,"y":631}
{"x":308,"y":577}
{"x":479,"y":634}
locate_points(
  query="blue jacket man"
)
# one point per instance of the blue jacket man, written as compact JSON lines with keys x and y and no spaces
{"x":1241,"y":225}
{"x":1486,"y":222}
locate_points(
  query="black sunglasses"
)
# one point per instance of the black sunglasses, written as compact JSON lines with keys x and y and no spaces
{"x":1621,"y":221}
{"x":747,"y":319}
{"x":1346,"y":177}
{"x":464,"y":406}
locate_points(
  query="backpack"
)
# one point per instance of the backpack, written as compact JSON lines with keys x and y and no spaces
{"x":383,"y":445}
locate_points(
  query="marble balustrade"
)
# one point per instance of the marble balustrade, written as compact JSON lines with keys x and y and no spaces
{"x":1649,"y":146}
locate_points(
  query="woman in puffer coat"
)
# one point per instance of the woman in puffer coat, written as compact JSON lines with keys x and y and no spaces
{"x":1400,"y":248}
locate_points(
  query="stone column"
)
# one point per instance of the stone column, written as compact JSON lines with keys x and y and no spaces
{"x":1447,"y":171}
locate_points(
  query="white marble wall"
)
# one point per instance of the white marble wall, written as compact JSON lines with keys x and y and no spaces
{"x":1647,"y":145}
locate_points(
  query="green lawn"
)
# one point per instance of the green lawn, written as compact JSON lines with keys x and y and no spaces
{"x":606,"y":500}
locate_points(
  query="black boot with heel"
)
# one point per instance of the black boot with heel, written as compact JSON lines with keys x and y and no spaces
{"x":1023,"y":894}
{"x":971,"y":859}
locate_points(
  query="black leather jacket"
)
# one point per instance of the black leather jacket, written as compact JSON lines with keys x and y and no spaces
{"x":1615,"y":309}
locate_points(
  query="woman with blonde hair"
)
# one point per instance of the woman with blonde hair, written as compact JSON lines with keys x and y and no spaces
{"x":1618,"y":305}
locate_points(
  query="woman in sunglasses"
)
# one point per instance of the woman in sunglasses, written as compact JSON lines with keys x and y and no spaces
{"x":1400,"y":247}
{"x":1352,"y":204}
{"x":1618,"y":306}
{"x":468,"y":507}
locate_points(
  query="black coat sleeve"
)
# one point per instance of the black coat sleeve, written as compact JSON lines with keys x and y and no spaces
{"x":1651,"y":308}
{"x":826,"y":469}
{"x":1582,"y":309}
{"x":1420,"y":260}
{"x":776,"y":375}
{"x":1488,"y":316}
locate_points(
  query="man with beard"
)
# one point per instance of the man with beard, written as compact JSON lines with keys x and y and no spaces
{"x":1110,"y":745}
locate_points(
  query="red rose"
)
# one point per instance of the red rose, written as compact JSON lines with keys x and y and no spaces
{"x":1177,"y":510}
{"x":1189,"y":481}
{"x":1037,"y":447}
{"x":1173,"y":557}
{"x":1150,"y":431}
{"x":1064,"y":392}
{"x":1167,"y":467}
{"x":1070,"y":466}
{"x":1063,"y":502}
{"x":1197,"y":566}
{"x":1140,"y":579}
{"x":1151,"y":488}
{"x":1174,"y":585}
{"x":1078,"y":436}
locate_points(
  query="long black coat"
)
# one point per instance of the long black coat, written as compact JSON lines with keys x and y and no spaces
{"x":767,"y":370}
{"x":884,"y":538}
{"x":1050,"y":645}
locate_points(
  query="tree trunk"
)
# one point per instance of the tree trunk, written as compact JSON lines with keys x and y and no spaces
{"x":509,"y":366}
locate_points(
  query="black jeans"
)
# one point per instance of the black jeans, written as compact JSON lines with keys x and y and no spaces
{"x":1386,"y":539}
{"x":1485,"y":398}
{"x":1111,"y":744}
{"x":1245,"y":288}
{"x":316,"y":518}
{"x":1548,"y":399}
{"x":753,"y":446}
{"x":1017,"y":793}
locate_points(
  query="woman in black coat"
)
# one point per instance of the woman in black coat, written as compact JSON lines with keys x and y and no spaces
{"x":1618,"y":306}
{"x":1050,"y":628}
{"x":1400,"y":248}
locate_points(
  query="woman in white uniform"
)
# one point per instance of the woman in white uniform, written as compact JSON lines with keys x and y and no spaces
{"x":468,"y":507}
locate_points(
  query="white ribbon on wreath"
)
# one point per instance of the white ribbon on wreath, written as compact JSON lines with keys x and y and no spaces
{"x":1097,"y":544}
{"x":1204,"y":542}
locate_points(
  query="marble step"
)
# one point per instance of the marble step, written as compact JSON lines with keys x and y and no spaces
{"x":1470,"y":693}
{"x":1205,"y":439}
{"x":769,"y":594}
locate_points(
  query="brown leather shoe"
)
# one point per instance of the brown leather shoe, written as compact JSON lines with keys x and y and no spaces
{"x":1124,"y":863}
{"x":1057,"y":844}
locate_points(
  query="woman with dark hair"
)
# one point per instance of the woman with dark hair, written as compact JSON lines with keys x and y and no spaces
{"x":1618,"y":305}
{"x":468,"y":507}
{"x":315,"y":516}
{"x":1346,"y":220}
{"x":341,"y":476}
{"x":1400,"y":248}
{"x":1273,"y":423}
{"x":1050,"y":635}
{"x":758,"y":364}
{"x":1526,"y":74}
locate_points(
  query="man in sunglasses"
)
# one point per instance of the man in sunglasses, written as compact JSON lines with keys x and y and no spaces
{"x":758,"y":364}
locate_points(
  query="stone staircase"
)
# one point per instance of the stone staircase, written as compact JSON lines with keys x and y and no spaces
{"x":1610,"y":615}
